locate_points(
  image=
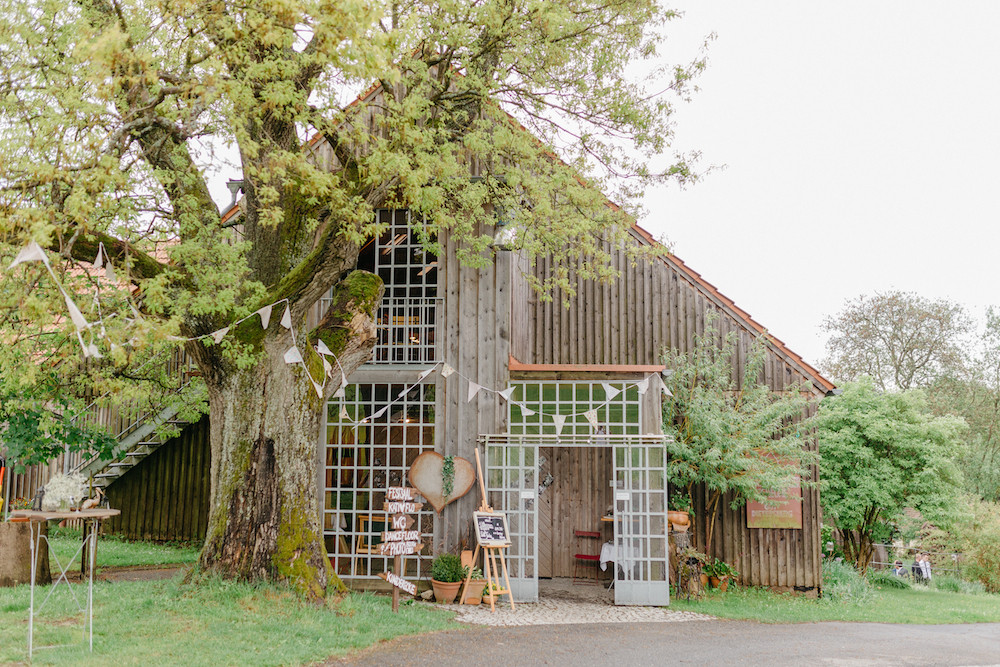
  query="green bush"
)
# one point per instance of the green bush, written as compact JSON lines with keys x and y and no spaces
{"x":978,"y":538}
{"x":955,"y":585}
{"x":886,"y":579}
{"x":447,"y":568}
{"x":842,"y":583}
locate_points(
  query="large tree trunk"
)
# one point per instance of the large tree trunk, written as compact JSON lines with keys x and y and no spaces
{"x":264,"y":520}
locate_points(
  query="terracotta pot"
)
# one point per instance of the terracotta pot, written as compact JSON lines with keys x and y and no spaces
{"x":446,"y":591}
{"x":475,"y":592}
{"x":680,"y":521}
{"x":722,"y":583}
{"x":704,"y":580}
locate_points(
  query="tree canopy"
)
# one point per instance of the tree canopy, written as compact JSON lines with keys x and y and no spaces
{"x":115,"y":115}
{"x":881,"y":453}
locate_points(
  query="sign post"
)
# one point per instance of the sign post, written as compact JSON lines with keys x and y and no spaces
{"x":400,"y":541}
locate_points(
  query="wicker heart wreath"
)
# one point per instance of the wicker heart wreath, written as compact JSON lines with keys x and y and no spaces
{"x":426,"y":476}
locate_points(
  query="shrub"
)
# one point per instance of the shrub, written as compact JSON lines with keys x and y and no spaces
{"x":886,"y":579}
{"x":447,"y":568}
{"x":955,"y":585}
{"x":842,"y":583}
{"x":979,"y":540}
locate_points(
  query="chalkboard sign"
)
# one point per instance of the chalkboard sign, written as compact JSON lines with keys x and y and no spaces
{"x":491,"y":529}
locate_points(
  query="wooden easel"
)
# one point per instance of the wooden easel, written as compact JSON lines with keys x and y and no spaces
{"x":490,"y":555}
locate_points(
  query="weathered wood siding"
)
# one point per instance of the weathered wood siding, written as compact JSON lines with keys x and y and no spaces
{"x":659,"y":305}
{"x":165,"y":496}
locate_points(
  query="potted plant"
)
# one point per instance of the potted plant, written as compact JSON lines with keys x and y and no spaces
{"x":492,"y":593}
{"x":720,"y":572}
{"x":447,"y":576}
{"x":679,"y":513}
{"x":477,"y":584}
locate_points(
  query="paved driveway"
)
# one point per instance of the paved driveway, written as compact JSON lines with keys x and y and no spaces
{"x":716,"y":642}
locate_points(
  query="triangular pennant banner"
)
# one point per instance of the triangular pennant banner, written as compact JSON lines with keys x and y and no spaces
{"x":293,"y":356}
{"x":86,"y":350}
{"x":109,"y":272}
{"x":318,"y":387}
{"x":473,"y":390}
{"x":506,"y":393}
{"x":559,"y":421}
{"x":609,"y":391}
{"x":94,"y":352}
{"x":446,"y":370}
{"x":99,"y":260}
{"x":591,"y":416}
{"x":643,"y":386}
{"x":30,"y":253}
{"x":217,"y":336}
{"x":75,"y":314}
{"x":323,"y":349}
{"x":420,"y":378}
{"x":343,"y":413}
{"x":327,"y":367}
{"x":286,"y":319}
{"x":379,"y":413}
{"x":527,"y":412}
{"x":340,"y":393}
{"x":265,"y":316}
{"x":402,"y":392}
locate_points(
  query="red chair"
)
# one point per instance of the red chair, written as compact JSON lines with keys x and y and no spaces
{"x":585,"y":541}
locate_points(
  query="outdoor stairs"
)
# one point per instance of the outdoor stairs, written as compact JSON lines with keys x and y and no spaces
{"x":134,"y":444}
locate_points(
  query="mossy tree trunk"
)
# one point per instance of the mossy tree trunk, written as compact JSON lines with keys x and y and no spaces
{"x":264,"y":521}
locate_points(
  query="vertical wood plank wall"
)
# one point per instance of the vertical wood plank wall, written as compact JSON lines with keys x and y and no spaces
{"x":653,"y":307}
{"x":165,"y":496}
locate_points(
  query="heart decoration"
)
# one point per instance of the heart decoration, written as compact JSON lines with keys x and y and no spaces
{"x":425,"y":476}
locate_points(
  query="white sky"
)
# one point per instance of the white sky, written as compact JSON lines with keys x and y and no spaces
{"x":862,"y":144}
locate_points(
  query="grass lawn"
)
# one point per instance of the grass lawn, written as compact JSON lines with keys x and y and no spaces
{"x":113,"y":551}
{"x":915,"y":605}
{"x":213,"y":623}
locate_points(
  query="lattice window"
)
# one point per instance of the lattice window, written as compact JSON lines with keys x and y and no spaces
{"x":361,"y":461}
{"x":407,"y":315}
{"x":619,"y":415}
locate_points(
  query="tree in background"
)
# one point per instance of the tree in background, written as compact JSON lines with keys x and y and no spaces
{"x":879,"y":454}
{"x":899,"y":339}
{"x":110,"y":116}
{"x":731,"y":433}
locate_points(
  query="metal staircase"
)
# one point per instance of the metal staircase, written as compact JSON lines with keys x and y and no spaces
{"x":136,"y":442}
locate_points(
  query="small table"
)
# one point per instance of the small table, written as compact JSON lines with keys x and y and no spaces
{"x":94,"y":517}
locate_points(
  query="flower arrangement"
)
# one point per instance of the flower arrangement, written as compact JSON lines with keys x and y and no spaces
{"x":20,"y":504}
{"x":64,"y":491}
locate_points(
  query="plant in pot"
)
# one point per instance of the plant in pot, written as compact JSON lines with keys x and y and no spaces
{"x":720,"y":572}
{"x":693,"y":564}
{"x":679,"y":512}
{"x":447,"y":576}
{"x":492,"y":592}
{"x":477,"y":584}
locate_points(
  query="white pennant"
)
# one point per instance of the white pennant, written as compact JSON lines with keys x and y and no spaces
{"x":527,"y":412}
{"x":473,"y":390}
{"x":343,"y":413}
{"x":318,"y":387}
{"x":265,"y":316}
{"x":293,"y":356}
{"x":559,"y":421}
{"x":591,"y":416}
{"x":402,"y":392}
{"x":109,"y":272}
{"x":286,"y":319}
{"x":340,"y":393}
{"x":75,"y":314}
{"x":30,"y":253}
{"x":94,"y":352}
{"x":217,"y":336}
{"x":86,"y":350}
{"x":609,"y":391}
{"x":506,"y":393}
{"x":323,"y":349}
{"x":446,"y":370}
{"x":643,"y":385}
{"x":379,"y":413}
{"x":99,"y":260}
{"x":420,"y":378}
{"x":327,"y":368}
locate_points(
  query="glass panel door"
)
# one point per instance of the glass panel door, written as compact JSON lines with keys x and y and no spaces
{"x":512,"y":488}
{"x":640,"y":526}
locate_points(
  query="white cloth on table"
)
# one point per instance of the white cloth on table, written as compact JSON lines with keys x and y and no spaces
{"x":624,"y":556}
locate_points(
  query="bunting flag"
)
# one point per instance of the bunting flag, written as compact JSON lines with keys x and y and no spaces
{"x":318,"y":387}
{"x":109,"y":273}
{"x":506,"y":393}
{"x":403,"y":391}
{"x":559,"y":421}
{"x":420,"y":378}
{"x":30,"y":253}
{"x":99,"y":260}
{"x":83,"y":346}
{"x":341,"y":392}
{"x":379,"y":412}
{"x":265,"y":316}
{"x":217,"y":336}
{"x":293,"y":356}
{"x":526,"y":411}
{"x":473,"y":390}
{"x":75,"y":314}
{"x":643,"y":385}
{"x":446,"y":370}
{"x":322,"y":348}
{"x":343,"y":413}
{"x":327,"y":367}
{"x":286,"y":319}
{"x":591,"y":416}
{"x":609,"y":391}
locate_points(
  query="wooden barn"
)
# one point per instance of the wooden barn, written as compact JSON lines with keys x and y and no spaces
{"x":561,"y":396}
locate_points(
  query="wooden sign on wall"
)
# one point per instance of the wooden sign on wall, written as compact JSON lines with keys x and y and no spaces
{"x":400,"y":541}
{"x":786,"y":511}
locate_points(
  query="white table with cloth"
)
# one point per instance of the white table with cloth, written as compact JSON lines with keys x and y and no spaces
{"x":625,"y":556}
